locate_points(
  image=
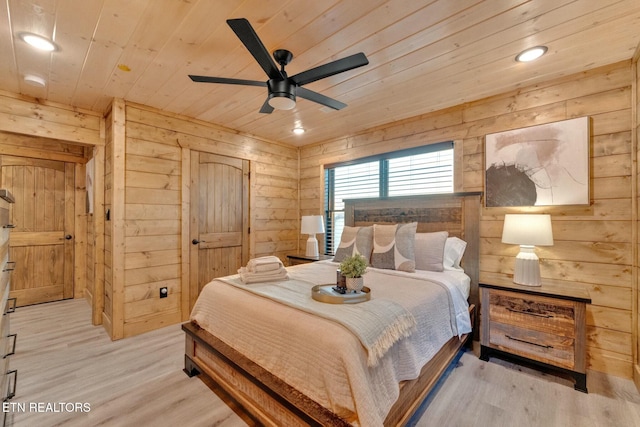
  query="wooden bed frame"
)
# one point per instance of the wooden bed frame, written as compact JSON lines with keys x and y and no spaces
{"x":272,"y":402}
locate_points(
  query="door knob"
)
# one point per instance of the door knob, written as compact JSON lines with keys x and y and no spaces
{"x":68,"y":237}
{"x":196,"y":241}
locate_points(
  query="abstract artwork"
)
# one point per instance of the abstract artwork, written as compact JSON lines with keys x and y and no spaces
{"x":541,"y":165}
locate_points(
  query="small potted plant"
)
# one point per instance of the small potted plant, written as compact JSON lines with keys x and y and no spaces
{"x":353,"y":268}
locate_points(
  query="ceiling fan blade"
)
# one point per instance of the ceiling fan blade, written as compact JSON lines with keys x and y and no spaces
{"x":330,"y":69}
{"x":207,"y":79}
{"x":319,"y":98}
{"x":252,"y":42}
{"x":266,"y":108}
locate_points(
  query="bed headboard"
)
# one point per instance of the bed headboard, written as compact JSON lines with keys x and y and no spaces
{"x":457,"y":213}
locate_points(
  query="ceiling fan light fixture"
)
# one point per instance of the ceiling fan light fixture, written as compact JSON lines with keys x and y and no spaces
{"x":282,"y":101}
{"x":39,"y":42}
{"x":531,"y":54}
{"x":282,"y":90}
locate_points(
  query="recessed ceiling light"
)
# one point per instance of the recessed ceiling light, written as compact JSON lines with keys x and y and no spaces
{"x":38,"y":42}
{"x":531,"y":54}
{"x":34,"y":80}
{"x":298,"y":130}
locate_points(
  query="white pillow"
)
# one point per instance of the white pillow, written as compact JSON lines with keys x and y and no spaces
{"x":429,"y":250}
{"x":453,"y":251}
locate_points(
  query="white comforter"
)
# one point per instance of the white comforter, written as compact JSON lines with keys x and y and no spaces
{"x":321,"y":358}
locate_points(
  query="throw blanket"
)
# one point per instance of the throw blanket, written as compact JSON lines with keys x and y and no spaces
{"x":377,"y":323}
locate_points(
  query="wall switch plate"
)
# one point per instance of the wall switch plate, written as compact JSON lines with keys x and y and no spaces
{"x":164,"y":292}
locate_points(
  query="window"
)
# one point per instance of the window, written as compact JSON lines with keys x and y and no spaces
{"x":423,"y":170}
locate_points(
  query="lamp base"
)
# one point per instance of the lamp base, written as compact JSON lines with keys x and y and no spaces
{"x":527,"y":268}
{"x":312,"y":246}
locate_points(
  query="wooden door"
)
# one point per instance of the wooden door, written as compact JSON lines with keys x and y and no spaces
{"x":43,"y":216}
{"x":219,"y":228}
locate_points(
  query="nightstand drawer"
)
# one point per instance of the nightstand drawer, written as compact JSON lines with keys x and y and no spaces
{"x":543,"y":347}
{"x":533,"y":312}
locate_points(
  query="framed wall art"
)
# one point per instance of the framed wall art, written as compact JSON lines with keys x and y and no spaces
{"x":544,"y":165}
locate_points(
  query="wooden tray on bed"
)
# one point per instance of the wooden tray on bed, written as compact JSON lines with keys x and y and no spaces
{"x":325,"y":293}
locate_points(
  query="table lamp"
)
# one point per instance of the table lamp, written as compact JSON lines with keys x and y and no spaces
{"x":311,"y":225}
{"x":528,"y":231}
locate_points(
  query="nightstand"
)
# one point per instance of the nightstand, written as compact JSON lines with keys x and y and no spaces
{"x":295,"y":259}
{"x":540,"y":324}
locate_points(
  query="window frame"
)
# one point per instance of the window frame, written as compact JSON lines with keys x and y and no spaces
{"x":383,"y":180}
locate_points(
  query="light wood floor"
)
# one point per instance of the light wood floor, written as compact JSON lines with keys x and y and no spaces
{"x":61,"y":358}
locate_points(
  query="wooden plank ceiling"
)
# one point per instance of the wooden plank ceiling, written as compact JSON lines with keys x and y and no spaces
{"x":424,"y":55}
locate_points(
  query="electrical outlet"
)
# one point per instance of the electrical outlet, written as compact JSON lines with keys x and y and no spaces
{"x":164,"y":292}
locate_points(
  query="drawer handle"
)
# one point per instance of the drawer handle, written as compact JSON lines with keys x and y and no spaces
{"x":12,"y":393}
{"x":11,"y":302}
{"x":13,"y":347}
{"x":546,"y":316}
{"x":528,"y":342}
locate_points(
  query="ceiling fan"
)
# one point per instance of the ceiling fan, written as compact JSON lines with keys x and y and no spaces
{"x":283,"y":89}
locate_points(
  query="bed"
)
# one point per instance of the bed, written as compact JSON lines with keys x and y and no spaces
{"x":287,"y":366}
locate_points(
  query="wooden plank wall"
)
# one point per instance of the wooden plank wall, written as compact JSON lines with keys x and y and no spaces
{"x":635,"y":96}
{"x":97,"y":235}
{"x":593,"y":244}
{"x":40,"y":148}
{"x":154,"y":215}
{"x":90,"y":271}
{"x":107,"y":286}
{"x":141,"y":185}
{"x":152,"y":228}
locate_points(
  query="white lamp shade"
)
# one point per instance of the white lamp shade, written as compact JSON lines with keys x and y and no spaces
{"x":527,"y":229}
{"x":312,"y":224}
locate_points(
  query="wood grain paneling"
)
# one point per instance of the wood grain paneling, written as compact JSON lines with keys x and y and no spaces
{"x":28,"y":116}
{"x":635,"y":185}
{"x":594,"y":245}
{"x":106,"y":308}
{"x":153,"y":216}
{"x":144,"y":174}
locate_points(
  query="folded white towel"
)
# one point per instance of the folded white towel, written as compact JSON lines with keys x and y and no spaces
{"x":265,"y":263}
{"x":266,"y":276}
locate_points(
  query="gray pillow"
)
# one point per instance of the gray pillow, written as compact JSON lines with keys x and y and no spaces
{"x":430,"y":250}
{"x":393,"y":246}
{"x":355,"y":240}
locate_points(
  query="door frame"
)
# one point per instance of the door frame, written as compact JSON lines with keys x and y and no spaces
{"x":75,"y":221}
